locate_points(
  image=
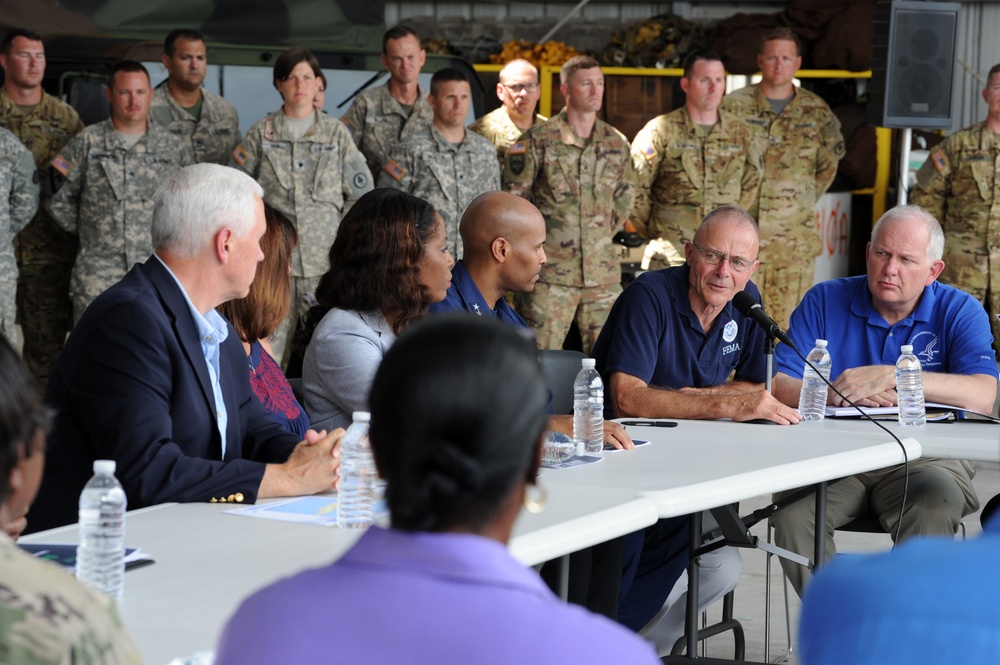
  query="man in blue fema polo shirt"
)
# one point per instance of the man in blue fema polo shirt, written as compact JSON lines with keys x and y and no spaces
{"x":866,"y":320}
{"x":670,"y":344}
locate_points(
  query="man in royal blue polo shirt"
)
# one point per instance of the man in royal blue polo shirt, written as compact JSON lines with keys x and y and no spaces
{"x":670,"y":344}
{"x":866,"y":319}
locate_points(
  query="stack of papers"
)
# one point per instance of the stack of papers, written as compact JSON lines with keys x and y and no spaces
{"x":64,"y":554}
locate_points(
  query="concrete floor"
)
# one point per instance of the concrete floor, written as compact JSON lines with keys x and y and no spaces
{"x":749,"y":600}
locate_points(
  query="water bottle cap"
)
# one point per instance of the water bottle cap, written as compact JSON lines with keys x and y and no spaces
{"x":589,"y":362}
{"x":105,"y":466}
{"x":821,"y":343}
{"x":906,"y":348}
{"x":361,"y":417}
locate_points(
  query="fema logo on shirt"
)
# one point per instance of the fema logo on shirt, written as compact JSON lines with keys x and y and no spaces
{"x":729,"y":331}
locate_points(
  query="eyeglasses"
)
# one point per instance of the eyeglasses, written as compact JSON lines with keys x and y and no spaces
{"x":517,"y":88}
{"x":714,"y":258}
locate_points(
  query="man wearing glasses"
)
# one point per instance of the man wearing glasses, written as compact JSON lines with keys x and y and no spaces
{"x":690,"y":161}
{"x":671,"y":342}
{"x":518,"y":92}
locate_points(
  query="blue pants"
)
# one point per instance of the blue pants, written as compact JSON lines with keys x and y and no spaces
{"x":653,"y":560}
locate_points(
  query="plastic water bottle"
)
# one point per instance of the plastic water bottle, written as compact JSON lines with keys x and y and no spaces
{"x":100,"y":556}
{"x":910,"y":388}
{"x":358,"y":476}
{"x":812,"y":396}
{"x":588,"y":408}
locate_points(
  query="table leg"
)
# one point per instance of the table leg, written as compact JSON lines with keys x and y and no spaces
{"x":563,"y":585}
{"x":691,"y":620}
{"x":820,"y":530}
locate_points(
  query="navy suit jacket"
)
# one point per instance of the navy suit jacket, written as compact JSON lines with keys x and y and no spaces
{"x":132,"y":385}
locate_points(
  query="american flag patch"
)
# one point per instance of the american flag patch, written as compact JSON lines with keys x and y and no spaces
{"x":239,"y":155}
{"x":395,"y":170}
{"x":347,"y":124}
{"x":60,"y":164}
{"x":649,"y":151}
{"x":517,"y":149}
{"x":940,"y":160}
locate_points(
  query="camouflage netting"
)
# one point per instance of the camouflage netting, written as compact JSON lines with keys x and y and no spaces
{"x":661,"y":41}
{"x":340,"y":23}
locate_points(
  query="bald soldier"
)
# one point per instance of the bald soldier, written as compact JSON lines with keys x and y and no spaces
{"x":518,"y":92}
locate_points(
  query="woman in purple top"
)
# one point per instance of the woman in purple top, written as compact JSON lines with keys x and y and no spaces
{"x":458,"y":419}
{"x":257,"y":316}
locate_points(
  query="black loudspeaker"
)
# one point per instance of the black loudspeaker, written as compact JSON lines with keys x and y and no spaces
{"x":913,"y":64}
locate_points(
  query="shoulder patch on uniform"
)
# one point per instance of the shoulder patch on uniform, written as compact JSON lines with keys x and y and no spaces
{"x":60,"y":164}
{"x":347,"y":123}
{"x":648,"y":151}
{"x":518,"y":148}
{"x":240,"y":155}
{"x":395,"y":170}
{"x":940,"y":160}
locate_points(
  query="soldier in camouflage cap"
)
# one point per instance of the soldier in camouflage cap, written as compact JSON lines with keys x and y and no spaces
{"x":576,"y":169}
{"x":445,"y":164}
{"x":803,"y":146}
{"x":958,"y":184}
{"x":208,"y":123}
{"x":691,"y":161}
{"x":45,"y":252}
{"x":381,"y":117}
{"x":310,"y":170}
{"x":19,"y":194}
{"x":100,"y":185}
{"x":46,"y":616}
{"x":518,"y":92}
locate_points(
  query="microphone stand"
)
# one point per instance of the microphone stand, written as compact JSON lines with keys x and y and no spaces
{"x":769,"y":355}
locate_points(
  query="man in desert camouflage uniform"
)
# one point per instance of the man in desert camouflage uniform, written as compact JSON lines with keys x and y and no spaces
{"x":310,"y":170}
{"x":803,"y":146}
{"x":576,"y":169}
{"x":46,"y":616}
{"x":45,"y":253}
{"x":518,"y":92}
{"x":100,"y":185}
{"x":383,"y":116}
{"x":958,"y":184}
{"x":19,"y":197}
{"x":205,"y":121}
{"x":691,"y":161}
{"x":445,"y":164}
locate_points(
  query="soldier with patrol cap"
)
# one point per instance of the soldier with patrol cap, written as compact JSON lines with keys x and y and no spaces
{"x":803,"y":146}
{"x":577,"y":171}
{"x":381,"y":117}
{"x":958,"y":184}
{"x":518,"y":92}
{"x":19,"y":198}
{"x":691,"y":161}
{"x":45,"y":252}
{"x":310,"y":170}
{"x":207,"y":122}
{"x":445,"y":164}
{"x":99,"y":186}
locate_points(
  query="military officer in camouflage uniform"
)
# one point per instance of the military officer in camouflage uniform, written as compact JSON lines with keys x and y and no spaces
{"x":518,"y":92}
{"x":19,"y":195}
{"x":46,"y":616}
{"x":100,"y":185}
{"x":381,"y":117}
{"x":958,"y":184}
{"x":445,"y":164}
{"x":45,"y":252}
{"x":803,"y":146}
{"x":207,"y":122}
{"x":575,"y":169}
{"x":310,"y":170}
{"x":691,"y":161}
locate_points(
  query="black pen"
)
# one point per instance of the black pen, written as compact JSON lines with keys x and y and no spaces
{"x":649,"y":423}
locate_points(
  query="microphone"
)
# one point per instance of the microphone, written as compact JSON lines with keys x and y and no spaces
{"x":751,"y":309}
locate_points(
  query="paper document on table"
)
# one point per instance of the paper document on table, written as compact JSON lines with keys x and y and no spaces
{"x":64,"y":554}
{"x":320,"y":510}
{"x":578,"y":460}
{"x":935,"y":412}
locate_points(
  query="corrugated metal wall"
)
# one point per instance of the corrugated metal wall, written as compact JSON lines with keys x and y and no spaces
{"x":978,"y":49}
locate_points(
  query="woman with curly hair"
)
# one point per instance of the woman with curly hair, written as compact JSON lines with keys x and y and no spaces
{"x":388,"y":263}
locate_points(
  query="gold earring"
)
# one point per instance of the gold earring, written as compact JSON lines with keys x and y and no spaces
{"x":535,"y":504}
